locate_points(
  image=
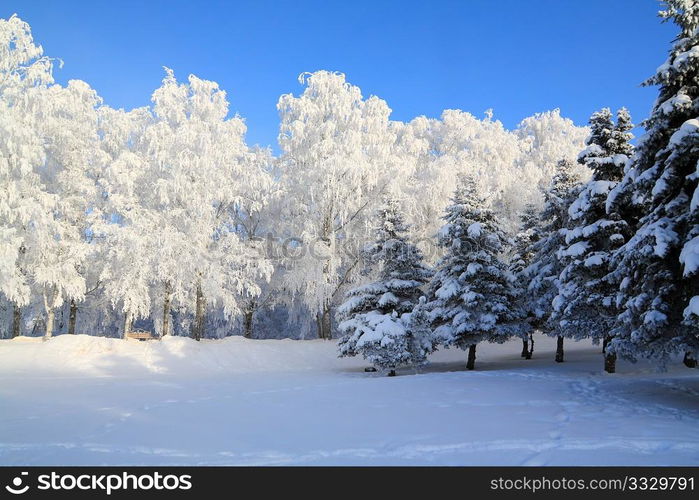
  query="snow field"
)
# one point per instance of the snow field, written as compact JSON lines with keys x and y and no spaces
{"x":90,"y":400}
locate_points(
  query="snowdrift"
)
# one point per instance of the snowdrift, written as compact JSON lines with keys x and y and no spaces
{"x":172,"y":355}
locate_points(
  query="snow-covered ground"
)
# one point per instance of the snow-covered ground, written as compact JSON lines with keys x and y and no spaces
{"x":90,"y":400}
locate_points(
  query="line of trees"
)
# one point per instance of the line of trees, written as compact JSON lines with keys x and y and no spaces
{"x":163,"y":218}
{"x":612,"y":257}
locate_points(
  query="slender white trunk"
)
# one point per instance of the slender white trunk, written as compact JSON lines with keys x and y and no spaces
{"x":50,"y":314}
{"x":128,"y":319}
{"x":49,"y":307}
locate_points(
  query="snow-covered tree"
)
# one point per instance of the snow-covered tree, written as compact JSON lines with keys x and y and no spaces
{"x":24,"y":70}
{"x":25,"y":208}
{"x":126,"y":229}
{"x":511,"y":167}
{"x":172,"y":239}
{"x":458,"y":143}
{"x":658,"y":268}
{"x":585,"y":304}
{"x":473,"y":297}
{"x":522,"y":256}
{"x":199,"y":165}
{"x":337,"y":157}
{"x":546,"y":138}
{"x":51,"y":196}
{"x":162,"y":215}
{"x":260,"y":225}
{"x":619,"y":142}
{"x":545,"y":267}
{"x":377,"y":318}
{"x":74,"y":166}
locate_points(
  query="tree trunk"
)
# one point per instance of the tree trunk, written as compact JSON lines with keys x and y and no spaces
{"x":50,"y":314}
{"x":247,"y":322}
{"x":471,"y":363}
{"x":610,"y":362}
{"x":531,"y":347}
{"x":199,"y":318}
{"x":72,"y":316}
{"x":49,"y":296}
{"x":319,"y":326}
{"x":525,"y":348}
{"x":166,"y":309}
{"x":16,"y":321}
{"x":609,"y":357}
{"x":61,"y":322}
{"x":128,"y":320}
{"x":559,"y":349}
{"x":324,"y":324}
{"x":689,"y":361}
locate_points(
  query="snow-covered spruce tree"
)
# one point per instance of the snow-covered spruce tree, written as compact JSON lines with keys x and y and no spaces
{"x":543,"y":271}
{"x":658,"y":268}
{"x":521,"y":258}
{"x":585,"y":304}
{"x":473,"y":297}
{"x":375,"y":320}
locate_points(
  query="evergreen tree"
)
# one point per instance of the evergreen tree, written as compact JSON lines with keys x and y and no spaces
{"x":620,"y":141}
{"x":585,"y":305}
{"x":375,"y":320}
{"x":658,"y":267}
{"x":420,"y":338}
{"x":473,"y":295}
{"x":545,"y":267}
{"x":521,"y":258}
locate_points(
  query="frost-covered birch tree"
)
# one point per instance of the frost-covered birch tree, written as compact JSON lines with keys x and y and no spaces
{"x":337,"y":157}
{"x":197,"y":159}
{"x":547,"y":138}
{"x":74,"y":166}
{"x":127,"y":224}
{"x":24,"y":205}
{"x":510,"y":167}
{"x":260,"y":225}
{"x":56,"y":188}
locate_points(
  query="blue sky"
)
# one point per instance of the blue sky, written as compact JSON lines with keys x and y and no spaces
{"x":515,"y":56}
